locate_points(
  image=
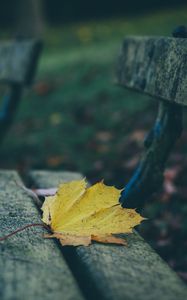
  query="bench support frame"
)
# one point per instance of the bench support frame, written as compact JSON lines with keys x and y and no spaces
{"x":148,"y":176}
{"x":9,"y":107}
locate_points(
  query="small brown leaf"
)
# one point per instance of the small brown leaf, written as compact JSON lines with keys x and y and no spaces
{"x":70,"y":240}
{"x":109,"y":239}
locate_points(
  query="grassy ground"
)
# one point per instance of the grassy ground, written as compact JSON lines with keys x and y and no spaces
{"x":76,"y":118}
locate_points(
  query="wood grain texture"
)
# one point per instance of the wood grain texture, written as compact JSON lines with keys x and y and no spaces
{"x":18,"y":60}
{"x":156,"y":66}
{"x":31,"y":267}
{"x":117,"y":272}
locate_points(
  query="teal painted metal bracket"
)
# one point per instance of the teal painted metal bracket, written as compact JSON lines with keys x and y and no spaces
{"x":9,"y":107}
{"x":148,"y":176}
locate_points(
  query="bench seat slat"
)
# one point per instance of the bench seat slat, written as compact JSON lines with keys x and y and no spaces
{"x":115,"y":272}
{"x":18,"y":60}
{"x":31,"y":267}
{"x":156,"y":66}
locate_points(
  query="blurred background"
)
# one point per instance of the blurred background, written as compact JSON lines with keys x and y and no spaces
{"x":76,"y":118}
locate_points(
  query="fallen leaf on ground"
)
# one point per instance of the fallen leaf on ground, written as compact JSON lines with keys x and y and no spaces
{"x":43,"y":88}
{"x":78,"y":215}
{"x":54,"y":161}
{"x":169,"y":186}
{"x":137,"y":136}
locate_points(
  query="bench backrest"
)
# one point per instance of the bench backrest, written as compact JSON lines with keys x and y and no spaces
{"x":18,"y":61}
{"x":156,"y":66}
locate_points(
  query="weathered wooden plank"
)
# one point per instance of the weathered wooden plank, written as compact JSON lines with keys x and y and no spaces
{"x":31,"y":267}
{"x":18,"y":60}
{"x":155,"y":65}
{"x":115,"y":272}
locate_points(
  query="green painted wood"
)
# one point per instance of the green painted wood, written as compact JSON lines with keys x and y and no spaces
{"x":156,"y":66}
{"x":18,"y":60}
{"x":31,"y":267}
{"x":117,"y":272}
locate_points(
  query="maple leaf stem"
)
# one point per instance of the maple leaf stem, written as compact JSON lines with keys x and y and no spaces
{"x":23,"y":228}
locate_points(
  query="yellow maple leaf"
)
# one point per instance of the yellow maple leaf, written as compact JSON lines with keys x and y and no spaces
{"x":77,"y":214}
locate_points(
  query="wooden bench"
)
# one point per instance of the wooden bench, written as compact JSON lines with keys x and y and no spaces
{"x":18,"y":62}
{"x":156,"y":66}
{"x":37,"y":268}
